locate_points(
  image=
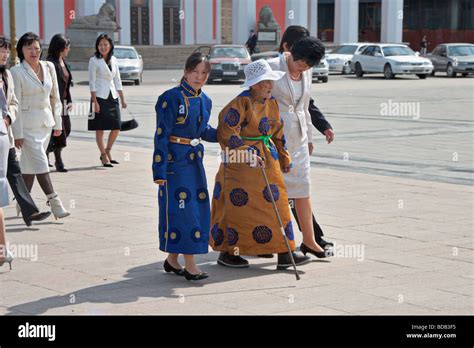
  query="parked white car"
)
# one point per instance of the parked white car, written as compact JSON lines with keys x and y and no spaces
{"x":130,"y":63}
{"x":390,"y":59}
{"x":321,"y":71}
{"x":340,"y":57}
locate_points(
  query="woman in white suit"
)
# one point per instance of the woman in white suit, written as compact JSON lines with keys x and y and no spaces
{"x":105,"y":87}
{"x":293,"y":93}
{"x":9,"y":108}
{"x":40,"y":109}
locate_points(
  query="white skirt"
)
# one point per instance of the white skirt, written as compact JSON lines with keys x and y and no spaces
{"x":297,"y":181}
{"x":4,"y":149}
{"x":33,"y":159}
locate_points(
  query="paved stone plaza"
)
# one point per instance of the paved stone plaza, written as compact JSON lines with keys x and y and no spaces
{"x":393,"y":191}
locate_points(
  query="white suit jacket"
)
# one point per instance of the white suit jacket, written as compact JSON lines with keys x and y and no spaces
{"x":12,"y":105}
{"x":102,"y":80}
{"x":285,"y":95}
{"x":40,"y":105}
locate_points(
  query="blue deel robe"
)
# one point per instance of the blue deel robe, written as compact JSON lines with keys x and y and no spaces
{"x":184,"y":209}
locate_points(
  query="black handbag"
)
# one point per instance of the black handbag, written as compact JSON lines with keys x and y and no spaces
{"x":129,"y":125}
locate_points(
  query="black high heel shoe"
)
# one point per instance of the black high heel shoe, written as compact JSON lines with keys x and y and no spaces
{"x":319,"y":254}
{"x":107,"y":151}
{"x":199,"y":276}
{"x":103,"y":159}
{"x":36,"y":217}
{"x":169,"y":268}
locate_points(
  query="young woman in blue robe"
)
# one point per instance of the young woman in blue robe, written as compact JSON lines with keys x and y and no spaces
{"x":184,"y":210}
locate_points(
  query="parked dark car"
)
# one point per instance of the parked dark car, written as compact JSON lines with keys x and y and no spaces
{"x":227,"y":61}
{"x":453,"y":58}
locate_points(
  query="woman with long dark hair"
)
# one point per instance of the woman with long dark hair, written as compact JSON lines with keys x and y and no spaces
{"x":36,"y":88}
{"x":105,"y":86}
{"x":57,"y":52}
{"x":8,"y":107}
{"x":182,"y":121}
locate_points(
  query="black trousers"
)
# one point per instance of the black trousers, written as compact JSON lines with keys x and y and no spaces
{"x":18,"y":186}
{"x":318,"y":232}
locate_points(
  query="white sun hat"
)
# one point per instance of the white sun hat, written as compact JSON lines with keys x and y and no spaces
{"x":258,"y":71}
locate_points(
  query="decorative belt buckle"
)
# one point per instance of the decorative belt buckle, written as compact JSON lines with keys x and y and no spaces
{"x":195,"y":142}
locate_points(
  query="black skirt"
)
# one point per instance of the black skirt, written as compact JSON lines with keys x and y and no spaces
{"x":109,"y":116}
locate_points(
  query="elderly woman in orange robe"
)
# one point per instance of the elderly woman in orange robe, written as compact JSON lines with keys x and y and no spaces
{"x":250,"y":131}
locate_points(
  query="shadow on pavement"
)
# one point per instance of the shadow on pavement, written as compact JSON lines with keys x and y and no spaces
{"x":150,"y":281}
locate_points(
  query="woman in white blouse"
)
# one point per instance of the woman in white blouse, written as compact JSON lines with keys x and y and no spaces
{"x":293,"y":93}
{"x":105,"y":87}
{"x":36,"y":88}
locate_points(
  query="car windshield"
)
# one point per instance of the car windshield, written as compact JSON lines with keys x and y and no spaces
{"x":229,"y":52}
{"x":121,"y":53}
{"x":461,"y":50}
{"x":344,"y":50}
{"x":397,"y":51}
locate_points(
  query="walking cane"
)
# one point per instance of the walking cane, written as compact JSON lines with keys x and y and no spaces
{"x":282,"y":229}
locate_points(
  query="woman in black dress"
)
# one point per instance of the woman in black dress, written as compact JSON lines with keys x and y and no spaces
{"x":57,"y":52}
{"x":105,"y":86}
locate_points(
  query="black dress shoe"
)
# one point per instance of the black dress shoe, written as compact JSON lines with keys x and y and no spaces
{"x":226,"y":259}
{"x":199,"y":276}
{"x":169,"y":268}
{"x":114,"y":162}
{"x":324,"y":244}
{"x":319,"y":254}
{"x":60,"y":167}
{"x":36,"y":217}
{"x":284,"y":260}
{"x":266,"y":256}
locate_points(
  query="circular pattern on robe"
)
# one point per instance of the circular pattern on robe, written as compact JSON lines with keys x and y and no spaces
{"x":197,"y":235}
{"x":161,"y":192}
{"x":182,"y":194}
{"x":289,"y":231}
{"x":274,"y":152}
{"x":174,"y":236}
{"x":191,"y":156}
{"x":171,"y":156}
{"x":217,"y":190}
{"x":253,"y":150}
{"x":264,"y":126}
{"x":232,"y":236}
{"x":217,"y":235}
{"x":159,"y":132}
{"x":235,"y":142}
{"x":202,"y":195}
{"x":239,"y":197}
{"x":200,"y":154}
{"x":232,"y":117}
{"x":262,"y":234}
{"x":159,"y":156}
{"x":275,"y":192}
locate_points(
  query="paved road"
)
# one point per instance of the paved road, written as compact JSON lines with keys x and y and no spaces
{"x":403,"y":246}
{"x":429,"y":136}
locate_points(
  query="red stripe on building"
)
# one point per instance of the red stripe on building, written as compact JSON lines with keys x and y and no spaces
{"x":214,"y":19}
{"x":69,"y":12}
{"x":41,"y":18}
